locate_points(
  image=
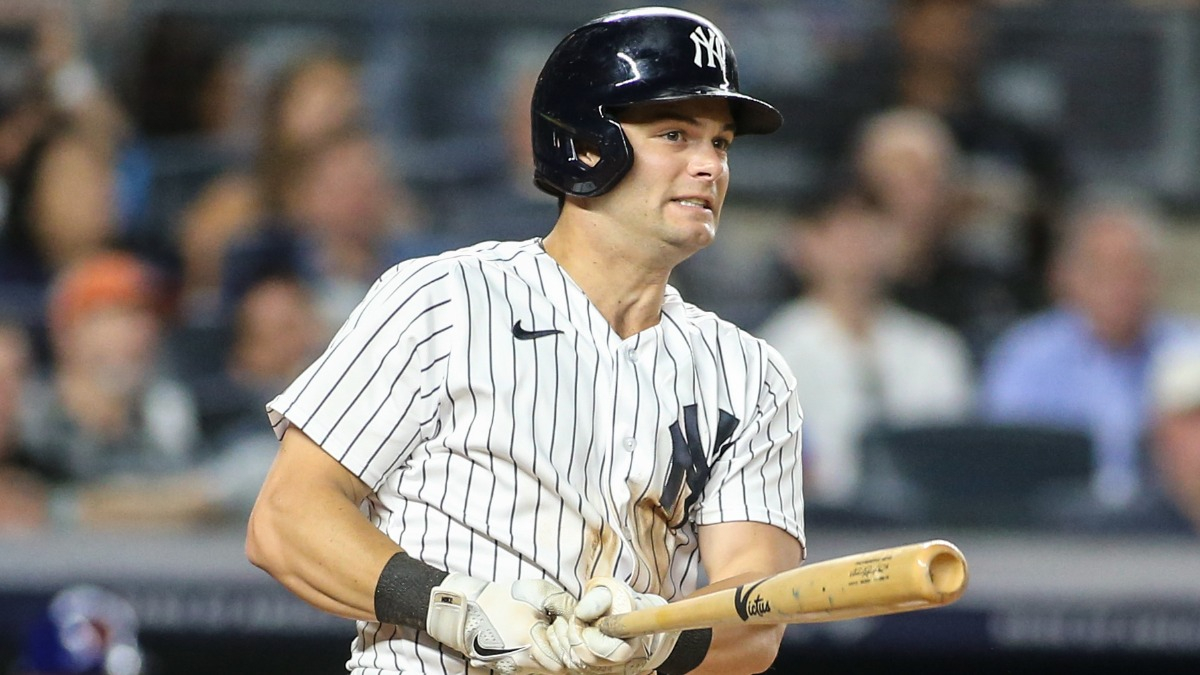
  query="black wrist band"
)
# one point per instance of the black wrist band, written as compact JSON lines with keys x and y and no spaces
{"x":402,"y":592}
{"x":689,"y":652}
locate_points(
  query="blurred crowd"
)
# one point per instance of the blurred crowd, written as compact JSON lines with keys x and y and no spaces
{"x":946,"y":272}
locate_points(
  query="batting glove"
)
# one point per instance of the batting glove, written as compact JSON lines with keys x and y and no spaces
{"x":499,"y":625}
{"x":588,"y":651}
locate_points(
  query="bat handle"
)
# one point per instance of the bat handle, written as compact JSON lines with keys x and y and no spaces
{"x":620,"y":625}
{"x":652,"y":620}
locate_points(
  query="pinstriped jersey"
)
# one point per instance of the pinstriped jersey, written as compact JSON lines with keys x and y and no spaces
{"x":508,"y":432}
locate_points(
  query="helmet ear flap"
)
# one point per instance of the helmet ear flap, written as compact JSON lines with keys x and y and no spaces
{"x":570,"y":170}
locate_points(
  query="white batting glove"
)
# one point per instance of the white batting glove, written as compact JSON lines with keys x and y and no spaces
{"x":499,"y":625}
{"x":588,"y":651}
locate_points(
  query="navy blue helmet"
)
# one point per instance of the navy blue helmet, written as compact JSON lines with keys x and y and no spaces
{"x":620,"y":59}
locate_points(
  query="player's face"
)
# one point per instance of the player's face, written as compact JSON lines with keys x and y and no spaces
{"x":675,"y":189}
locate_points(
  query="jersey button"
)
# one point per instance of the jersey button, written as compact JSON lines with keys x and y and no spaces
{"x":630,"y":444}
{"x":631,"y":355}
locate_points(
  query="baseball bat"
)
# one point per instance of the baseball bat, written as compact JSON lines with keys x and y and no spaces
{"x":900,"y":579}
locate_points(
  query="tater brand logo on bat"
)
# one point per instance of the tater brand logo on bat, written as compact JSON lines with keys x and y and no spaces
{"x":748,"y":603}
{"x":868,"y":570}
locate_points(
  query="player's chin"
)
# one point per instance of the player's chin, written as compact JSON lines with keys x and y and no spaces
{"x":705,"y":231}
{"x":697,"y":223}
{"x":695,"y":238}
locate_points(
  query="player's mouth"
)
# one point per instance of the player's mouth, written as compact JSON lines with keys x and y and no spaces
{"x":698,"y":203}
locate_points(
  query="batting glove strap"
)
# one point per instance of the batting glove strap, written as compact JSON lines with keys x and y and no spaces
{"x":450,"y":608}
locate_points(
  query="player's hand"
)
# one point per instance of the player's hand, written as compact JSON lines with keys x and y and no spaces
{"x":499,"y":625}
{"x":587,"y":650}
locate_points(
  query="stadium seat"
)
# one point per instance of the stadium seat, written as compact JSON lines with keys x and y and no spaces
{"x":977,"y":474}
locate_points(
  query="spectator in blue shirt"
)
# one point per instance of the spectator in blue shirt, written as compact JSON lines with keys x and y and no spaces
{"x":1084,"y":363}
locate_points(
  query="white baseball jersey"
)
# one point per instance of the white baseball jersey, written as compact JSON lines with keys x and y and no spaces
{"x":508,"y":432}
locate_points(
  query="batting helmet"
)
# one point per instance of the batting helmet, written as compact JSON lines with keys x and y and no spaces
{"x":619,"y":59}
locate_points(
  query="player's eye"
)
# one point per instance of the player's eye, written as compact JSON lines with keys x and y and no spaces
{"x":673,"y":135}
{"x":722,"y":143}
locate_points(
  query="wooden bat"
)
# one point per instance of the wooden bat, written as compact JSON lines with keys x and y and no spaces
{"x":887,"y":581}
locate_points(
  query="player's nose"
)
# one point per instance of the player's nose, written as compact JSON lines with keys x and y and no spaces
{"x":708,"y":162}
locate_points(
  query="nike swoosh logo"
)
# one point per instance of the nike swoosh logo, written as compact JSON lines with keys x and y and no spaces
{"x":488,"y":654}
{"x":522,"y":334}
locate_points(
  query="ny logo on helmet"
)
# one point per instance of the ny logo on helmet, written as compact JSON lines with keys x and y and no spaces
{"x":713,"y":45}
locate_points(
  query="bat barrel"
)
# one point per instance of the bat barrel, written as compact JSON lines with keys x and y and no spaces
{"x":900,"y":579}
{"x":947,"y":572}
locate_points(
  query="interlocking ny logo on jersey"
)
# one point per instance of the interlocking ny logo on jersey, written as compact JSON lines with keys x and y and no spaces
{"x":689,"y":470}
{"x":708,"y":42}
{"x":522,"y":334}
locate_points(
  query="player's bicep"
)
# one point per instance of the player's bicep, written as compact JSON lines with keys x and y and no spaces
{"x":302,"y":463}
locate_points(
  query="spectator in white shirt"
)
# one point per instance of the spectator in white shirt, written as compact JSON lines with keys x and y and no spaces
{"x":859,"y":359}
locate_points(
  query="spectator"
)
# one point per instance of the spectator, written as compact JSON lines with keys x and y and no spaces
{"x":1085,"y":362}
{"x":24,"y":121}
{"x":343,"y":219}
{"x":503,"y":200}
{"x":23,"y":484}
{"x":1171,"y":501}
{"x":77,"y":90}
{"x":277,"y":333}
{"x":62,"y":139}
{"x":311,"y":97}
{"x":938,"y":56}
{"x":60,"y":207}
{"x":910,"y":163}
{"x":859,"y":359}
{"x":108,"y":406}
{"x":73,"y":209}
{"x":184,"y":80}
{"x":182,"y":88}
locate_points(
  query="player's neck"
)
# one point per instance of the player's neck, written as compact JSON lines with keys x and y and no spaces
{"x":624,"y":289}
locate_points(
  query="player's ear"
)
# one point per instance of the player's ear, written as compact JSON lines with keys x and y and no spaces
{"x":588,"y":154}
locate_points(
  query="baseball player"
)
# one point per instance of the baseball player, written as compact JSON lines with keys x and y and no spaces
{"x":505,"y":443}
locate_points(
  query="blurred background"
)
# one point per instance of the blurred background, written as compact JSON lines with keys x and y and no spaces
{"x":976,"y":241}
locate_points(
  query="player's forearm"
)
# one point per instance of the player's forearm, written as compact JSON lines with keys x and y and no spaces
{"x":739,"y":649}
{"x":306,"y":530}
{"x":325,"y":560}
{"x":737,"y":553}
